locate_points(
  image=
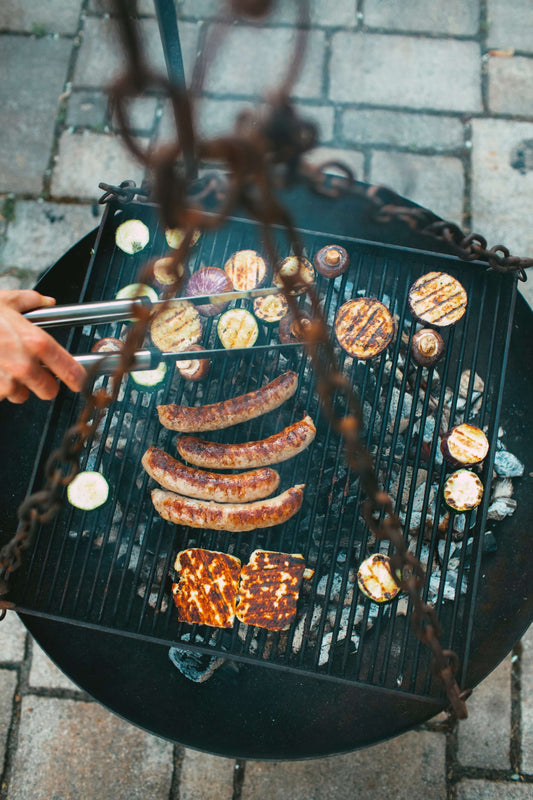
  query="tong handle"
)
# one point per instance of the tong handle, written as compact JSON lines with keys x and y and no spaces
{"x":85,"y":313}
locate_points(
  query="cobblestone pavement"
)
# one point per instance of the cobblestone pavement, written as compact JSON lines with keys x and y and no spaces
{"x":434,"y":99}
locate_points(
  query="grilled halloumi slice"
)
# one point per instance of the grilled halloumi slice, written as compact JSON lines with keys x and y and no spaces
{"x":364,"y":327}
{"x":269,"y":589}
{"x":206,"y":591}
{"x":438,"y":299}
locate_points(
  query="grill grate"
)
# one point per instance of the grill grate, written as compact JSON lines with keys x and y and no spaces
{"x":109,"y":568}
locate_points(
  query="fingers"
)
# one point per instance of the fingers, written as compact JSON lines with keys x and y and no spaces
{"x":59,"y":362}
{"x":25,"y":299}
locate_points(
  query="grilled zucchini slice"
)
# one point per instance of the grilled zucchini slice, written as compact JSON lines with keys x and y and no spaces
{"x":271,"y":308}
{"x":237,"y":327}
{"x":175,"y":236}
{"x":150,"y":378}
{"x":88,"y":490}
{"x":463,"y":491}
{"x":375,"y":579}
{"x":132,"y":236}
{"x":464,"y":445}
{"x":133,"y":290}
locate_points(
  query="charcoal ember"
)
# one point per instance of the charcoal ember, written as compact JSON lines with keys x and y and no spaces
{"x":195,"y":666}
{"x":502,"y":488}
{"x":451,"y":589}
{"x":430,"y":424}
{"x":501,"y":508}
{"x":464,"y":383}
{"x":306,"y":628}
{"x":507,"y":465}
{"x":459,"y":523}
{"x":490,"y":544}
{"x":399,"y":408}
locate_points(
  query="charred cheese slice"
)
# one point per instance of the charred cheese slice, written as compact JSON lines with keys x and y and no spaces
{"x":269,"y":589}
{"x":206,"y":591}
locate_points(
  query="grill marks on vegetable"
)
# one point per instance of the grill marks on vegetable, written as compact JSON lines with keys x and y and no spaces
{"x":438,"y":299}
{"x":364,"y":327}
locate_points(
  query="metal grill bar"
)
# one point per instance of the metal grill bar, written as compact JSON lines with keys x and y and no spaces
{"x":109,"y":569}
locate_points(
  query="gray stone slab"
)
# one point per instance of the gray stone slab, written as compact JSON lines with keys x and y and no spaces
{"x":484,"y":738}
{"x":454,"y":17}
{"x":511,"y":85}
{"x":101,"y":56}
{"x":410,"y":767}
{"x":440,"y":74}
{"x":510,"y":24}
{"x":29,"y":96}
{"x":69,"y":749}
{"x":527,"y":696}
{"x":434,"y":182}
{"x":41,"y":232}
{"x":12,"y":631}
{"x":8,"y":684}
{"x":493,"y":790}
{"x":234,"y":69}
{"x":44,"y":674}
{"x":87,"y":108}
{"x":206,"y":777}
{"x":502,"y":183}
{"x":86,"y":158}
{"x":53,"y":16}
{"x":401,"y":129}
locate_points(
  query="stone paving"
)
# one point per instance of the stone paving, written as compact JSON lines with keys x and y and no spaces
{"x":433,"y":99}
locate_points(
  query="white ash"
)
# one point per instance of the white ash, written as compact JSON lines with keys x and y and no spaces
{"x":502,"y":488}
{"x":507,"y":465}
{"x":501,"y":508}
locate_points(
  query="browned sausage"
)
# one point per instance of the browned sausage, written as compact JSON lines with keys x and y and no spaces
{"x":279,"y":447}
{"x":232,"y":411}
{"x":233,"y":517}
{"x":177,"y":477}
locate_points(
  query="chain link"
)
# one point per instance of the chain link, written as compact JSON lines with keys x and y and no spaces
{"x":264,"y":151}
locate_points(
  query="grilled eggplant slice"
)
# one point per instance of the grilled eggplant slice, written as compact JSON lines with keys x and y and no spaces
{"x":375,"y":579}
{"x":364,"y":327}
{"x":237,"y":327}
{"x":463,"y":491}
{"x":437,"y":299}
{"x":464,"y":445}
{"x":246,"y":270}
{"x":298,"y":270}
{"x":132,"y":236}
{"x":331,"y":261}
{"x":271,"y":308}
{"x":88,"y":490}
{"x":427,"y":347}
{"x":195,"y":369}
{"x":177,"y":327}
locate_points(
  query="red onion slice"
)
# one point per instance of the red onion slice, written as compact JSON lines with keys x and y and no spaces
{"x":209,"y":280}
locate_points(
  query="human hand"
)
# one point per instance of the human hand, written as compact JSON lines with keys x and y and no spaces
{"x":30,"y":359}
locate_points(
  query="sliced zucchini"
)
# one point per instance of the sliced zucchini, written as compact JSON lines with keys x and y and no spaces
{"x":177,"y":327}
{"x":88,"y":490}
{"x":246,"y":270}
{"x":175,"y":236}
{"x":150,"y":378}
{"x":463,"y":490}
{"x":375,"y":579}
{"x":271,"y":308}
{"x":133,"y":290}
{"x":237,"y":328}
{"x":464,"y":445}
{"x":132,"y":236}
{"x":300,"y":270}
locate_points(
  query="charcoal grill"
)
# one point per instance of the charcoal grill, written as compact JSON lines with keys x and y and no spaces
{"x":106,"y":573}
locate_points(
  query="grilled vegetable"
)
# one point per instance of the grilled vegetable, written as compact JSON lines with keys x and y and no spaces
{"x":165,"y":272}
{"x":195,"y":369}
{"x":271,"y":308}
{"x":331,"y":261}
{"x":427,"y":347}
{"x":150,"y":378}
{"x":464,"y":445}
{"x":246,"y":270}
{"x":133,"y":290}
{"x":88,"y":490}
{"x":209,"y":280}
{"x":175,"y":236}
{"x":107,"y":345}
{"x":132,"y":236}
{"x":375,"y":579}
{"x":299,"y":271}
{"x":437,"y":299}
{"x":177,"y":327}
{"x":292,"y":329}
{"x":364,"y":327}
{"x":463,"y":490}
{"x":237,"y":328}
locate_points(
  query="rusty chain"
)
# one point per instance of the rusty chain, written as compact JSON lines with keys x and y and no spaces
{"x":263,"y":153}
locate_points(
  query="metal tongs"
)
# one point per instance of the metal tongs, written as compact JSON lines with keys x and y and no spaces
{"x":106,"y":311}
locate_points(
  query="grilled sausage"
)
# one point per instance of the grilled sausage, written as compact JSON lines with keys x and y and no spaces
{"x":177,"y":477}
{"x":279,"y":447}
{"x":234,"y":517}
{"x":229,"y":412}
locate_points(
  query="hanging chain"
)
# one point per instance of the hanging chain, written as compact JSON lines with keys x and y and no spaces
{"x":263,"y":153}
